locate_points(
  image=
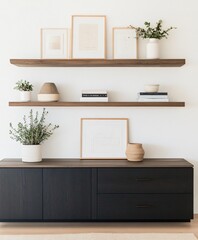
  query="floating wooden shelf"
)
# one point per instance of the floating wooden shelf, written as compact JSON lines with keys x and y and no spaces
{"x":98,"y":62}
{"x":97,"y":104}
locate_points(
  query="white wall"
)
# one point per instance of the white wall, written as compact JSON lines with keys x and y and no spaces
{"x":164,"y":132}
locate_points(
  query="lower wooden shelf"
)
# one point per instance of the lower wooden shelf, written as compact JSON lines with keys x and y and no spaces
{"x":97,"y":104}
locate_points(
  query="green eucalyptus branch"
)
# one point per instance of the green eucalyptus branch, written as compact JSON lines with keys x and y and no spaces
{"x":23,"y":85}
{"x":152,"y":32}
{"x":33,"y":133}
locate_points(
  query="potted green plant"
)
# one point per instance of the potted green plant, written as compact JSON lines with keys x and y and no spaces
{"x":31,"y":134}
{"x":153,"y":34}
{"x":25,"y":89}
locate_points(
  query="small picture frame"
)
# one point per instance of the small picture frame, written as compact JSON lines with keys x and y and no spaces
{"x":104,"y":138}
{"x":54,"y":43}
{"x":88,"y":37}
{"x":125,"y":43}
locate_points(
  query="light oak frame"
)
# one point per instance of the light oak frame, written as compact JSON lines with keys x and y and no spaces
{"x":54,"y":29}
{"x":113,"y":41}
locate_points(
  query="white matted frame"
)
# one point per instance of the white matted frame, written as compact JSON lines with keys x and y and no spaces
{"x":104,"y":138}
{"x":125,"y":43}
{"x":54,"y":43}
{"x":88,"y":37}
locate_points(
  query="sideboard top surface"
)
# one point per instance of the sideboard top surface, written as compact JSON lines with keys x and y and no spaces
{"x":77,"y":163}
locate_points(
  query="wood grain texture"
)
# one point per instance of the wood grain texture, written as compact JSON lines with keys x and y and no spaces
{"x":67,"y":194}
{"x":97,"y":104}
{"x":94,"y":192}
{"x":145,"y":207}
{"x":98,"y":62}
{"x":77,"y":163}
{"x":20,"y":194}
{"x":145,"y":180}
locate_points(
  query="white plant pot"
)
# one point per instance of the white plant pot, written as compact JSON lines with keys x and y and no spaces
{"x":152,"y":49}
{"x":25,"y":96}
{"x":31,"y":153}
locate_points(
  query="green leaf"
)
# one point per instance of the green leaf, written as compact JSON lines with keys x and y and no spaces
{"x":33,"y":132}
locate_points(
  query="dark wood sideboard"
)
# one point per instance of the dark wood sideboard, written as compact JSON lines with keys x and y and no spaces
{"x":96,"y":190}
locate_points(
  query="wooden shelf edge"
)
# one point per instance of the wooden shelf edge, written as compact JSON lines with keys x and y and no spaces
{"x":97,"y":104}
{"x":98,"y":62}
{"x":79,"y":163}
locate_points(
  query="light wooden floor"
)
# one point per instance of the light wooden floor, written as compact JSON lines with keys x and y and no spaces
{"x":61,"y":228}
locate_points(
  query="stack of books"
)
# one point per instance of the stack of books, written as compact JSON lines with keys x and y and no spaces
{"x":94,"y":96}
{"x":153,"y":97}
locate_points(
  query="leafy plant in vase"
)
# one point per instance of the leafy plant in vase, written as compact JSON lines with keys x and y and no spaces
{"x":31,"y":134}
{"x":25,"y":89}
{"x":153,"y":34}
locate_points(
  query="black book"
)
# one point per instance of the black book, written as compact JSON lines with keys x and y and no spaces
{"x":94,"y":95}
{"x":153,"y":93}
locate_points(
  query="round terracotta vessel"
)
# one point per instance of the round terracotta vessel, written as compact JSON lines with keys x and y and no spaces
{"x":135,"y":152}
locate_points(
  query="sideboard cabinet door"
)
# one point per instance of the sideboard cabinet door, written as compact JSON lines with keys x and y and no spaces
{"x":67,"y":194}
{"x":20,"y":194}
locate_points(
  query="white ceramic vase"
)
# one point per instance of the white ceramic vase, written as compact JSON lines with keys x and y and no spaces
{"x":25,"y":96}
{"x":31,"y":153}
{"x":152,"y":49}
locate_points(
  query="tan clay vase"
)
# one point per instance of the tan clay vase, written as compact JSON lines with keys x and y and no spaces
{"x":135,"y":152}
{"x":48,"y":93}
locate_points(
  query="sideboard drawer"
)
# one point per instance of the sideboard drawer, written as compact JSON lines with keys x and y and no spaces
{"x":145,"y":206}
{"x":145,"y":180}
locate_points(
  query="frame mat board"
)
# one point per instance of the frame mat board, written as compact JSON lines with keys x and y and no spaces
{"x":124,"y":43}
{"x":54,"y":43}
{"x":104,"y":236}
{"x":104,"y":138}
{"x":88,"y":37}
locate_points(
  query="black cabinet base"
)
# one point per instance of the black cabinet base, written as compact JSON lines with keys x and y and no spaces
{"x":115,"y":191}
{"x":95,"y":221}
{"x":145,"y":206}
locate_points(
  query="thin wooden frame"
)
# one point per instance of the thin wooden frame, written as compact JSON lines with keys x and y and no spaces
{"x":103,"y":138}
{"x":55,"y":43}
{"x":88,"y":37}
{"x":124,"y":43}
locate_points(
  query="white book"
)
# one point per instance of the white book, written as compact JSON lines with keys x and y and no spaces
{"x":152,"y":100}
{"x":153,"y":96}
{"x":94,"y":99}
{"x":94,"y":91}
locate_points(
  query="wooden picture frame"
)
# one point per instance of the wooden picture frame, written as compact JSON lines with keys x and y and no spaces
{"x":88,"y":37}
{"x":103,"y":138}
{"x":55,"y":43}
{"x":125,"y":43}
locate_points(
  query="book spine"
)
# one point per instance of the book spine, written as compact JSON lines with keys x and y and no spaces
{"x":94,"y":95}
{"x":153,"y":93}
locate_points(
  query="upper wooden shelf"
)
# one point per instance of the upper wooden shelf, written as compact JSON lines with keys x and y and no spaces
{"x":97,"y":104}
{"x":98,"y":62}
